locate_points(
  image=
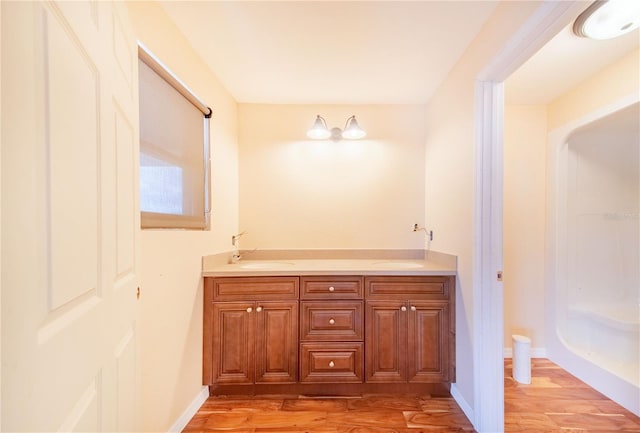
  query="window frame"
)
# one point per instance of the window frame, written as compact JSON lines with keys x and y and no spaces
{"x":155,"y":220}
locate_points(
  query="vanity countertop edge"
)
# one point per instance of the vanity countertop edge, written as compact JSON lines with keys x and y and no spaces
{"x":432,"y":264}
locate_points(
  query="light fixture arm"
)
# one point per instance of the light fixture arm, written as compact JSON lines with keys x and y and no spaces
{"x":346,"y":124}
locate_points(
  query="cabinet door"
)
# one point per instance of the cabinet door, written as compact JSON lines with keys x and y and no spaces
{"x":428,"y":341}
{"x":386,"y":341}
{"x":233,"y":343}
{"x":276,"y":341}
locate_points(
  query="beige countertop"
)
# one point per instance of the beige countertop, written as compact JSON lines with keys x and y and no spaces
{"x":439,"y":264}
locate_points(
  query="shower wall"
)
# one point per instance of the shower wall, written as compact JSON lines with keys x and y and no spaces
{"x":601,"y":316}
{"x":603,"y":204}
{"x":593,"y":286}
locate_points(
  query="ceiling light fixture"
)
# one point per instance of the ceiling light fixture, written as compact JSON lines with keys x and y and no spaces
{"x":351,"y":131}
{"x":608,"y":19}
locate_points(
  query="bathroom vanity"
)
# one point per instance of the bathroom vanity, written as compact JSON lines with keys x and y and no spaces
{"x":329,"y":327}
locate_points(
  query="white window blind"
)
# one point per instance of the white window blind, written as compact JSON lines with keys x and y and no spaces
{"x":174,"y":150}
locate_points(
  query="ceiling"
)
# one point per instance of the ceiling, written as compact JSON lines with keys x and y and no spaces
{"x":330,"y":52}
{"x":562,"y":63}
{"x":367,"y":52}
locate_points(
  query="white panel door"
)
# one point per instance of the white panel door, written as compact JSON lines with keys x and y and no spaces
{"x":69,"y":217}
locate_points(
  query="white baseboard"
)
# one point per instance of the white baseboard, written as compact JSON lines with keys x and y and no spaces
{"x":190,"y":411}
{"x":466,"y":408}
{"x":536,"y":352}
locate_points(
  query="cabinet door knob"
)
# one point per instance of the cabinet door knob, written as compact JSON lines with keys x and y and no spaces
{"x":249,"y":310}
{"x":331,"y":289}
{"x":403,"y":308}
{"x":259,"y":309}
{"x":331,"y":364}
{"x":331,"y":321}
{"x":413,"y":308}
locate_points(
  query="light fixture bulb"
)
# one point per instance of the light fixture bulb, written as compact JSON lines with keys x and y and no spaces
{"x":319,"y":130}
{"x":353,"y":131}
{"x":607,"y":19}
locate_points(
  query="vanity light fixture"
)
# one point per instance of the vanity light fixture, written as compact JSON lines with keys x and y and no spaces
{"x":608,"y":19}
{"x":351,"y":131}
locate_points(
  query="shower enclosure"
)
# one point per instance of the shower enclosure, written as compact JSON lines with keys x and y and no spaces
{"x":593,"y":297}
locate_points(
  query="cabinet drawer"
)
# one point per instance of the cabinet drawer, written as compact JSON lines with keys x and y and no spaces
{"x":331,"y":321}
{"x":252,"y":288}
{"x":331,"y":288}
{"x":331,"y":362}
{"x":404,"y":287}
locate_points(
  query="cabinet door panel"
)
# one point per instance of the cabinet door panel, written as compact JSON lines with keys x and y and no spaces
{"x":428,"y":342}
{"x":386,"y":341}
{"x":233,"y":343}
{"x":276,"y":342}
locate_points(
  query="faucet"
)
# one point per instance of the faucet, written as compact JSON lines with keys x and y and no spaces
{"x":236,"y":238}
{"x":429,"y":233}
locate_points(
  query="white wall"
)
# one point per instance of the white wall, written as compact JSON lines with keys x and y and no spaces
{"x":605,"y":86}
{"x":298,"y":193}
{"x":171,"y":303}
{"x":525,"y":138}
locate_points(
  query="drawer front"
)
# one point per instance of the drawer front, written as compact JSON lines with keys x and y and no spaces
{"x":252,"y":288}
{"x":404,"y":287}
{"x":331,"y":362}
{"x":331,"y":321}
{"x":331,"y":288}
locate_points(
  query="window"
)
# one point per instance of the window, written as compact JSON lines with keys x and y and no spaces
{"x":174,"y":150}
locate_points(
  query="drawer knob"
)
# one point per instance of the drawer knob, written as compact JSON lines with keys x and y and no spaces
{"x":331,"y":321}
{"x":259,"y":309}
{"x":331,"y":364}
{"x":403,"y":308}
{"x":331,"y":289}
{"x":249,"y":310}
{"x":413,"y":308}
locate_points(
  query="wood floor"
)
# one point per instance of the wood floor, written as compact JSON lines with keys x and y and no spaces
{"x":555,"y":401}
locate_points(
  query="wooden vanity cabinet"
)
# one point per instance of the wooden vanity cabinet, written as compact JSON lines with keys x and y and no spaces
{"x":251,"y":330}
{"x":409,"y":329}
{"x":319,"y":335}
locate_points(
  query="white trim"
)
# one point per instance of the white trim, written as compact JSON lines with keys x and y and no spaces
{"x":488,"y":367}
{"x":488,"y":324}
{"x":190,"y":411}
{"x":464,"y":405}
{"x":535,"y":352}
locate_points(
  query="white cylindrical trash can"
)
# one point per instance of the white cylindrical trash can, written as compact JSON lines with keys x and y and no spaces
{"x":521,"y":358}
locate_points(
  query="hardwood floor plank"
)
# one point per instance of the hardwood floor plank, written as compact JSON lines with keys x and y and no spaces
{"x":386,"y":402}
{"x":515,"y":422}
{"x":380,"y":418}
{"x":282,"y":419}
{"x":543,"y":406}
{"x":595,"y":421}
{"x":437,"y":420}
{"x":318,"y":404}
